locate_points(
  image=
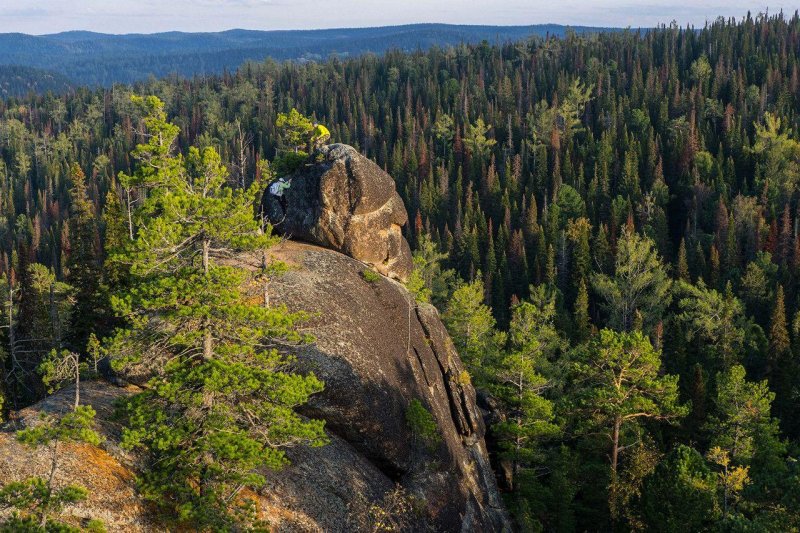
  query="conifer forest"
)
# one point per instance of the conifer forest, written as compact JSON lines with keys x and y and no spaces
{"x":608,"y":224}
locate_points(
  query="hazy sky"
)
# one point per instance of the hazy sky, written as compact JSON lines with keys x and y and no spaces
{"x":148,"y":16}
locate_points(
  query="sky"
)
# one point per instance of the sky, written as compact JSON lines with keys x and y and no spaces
{"x":150,"y":16}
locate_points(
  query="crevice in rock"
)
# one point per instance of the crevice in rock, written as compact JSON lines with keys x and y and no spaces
{"x":352,"y":182}
{"x":386,"y":467}
{"x":422,"y":366}
{"x":459,"y":410}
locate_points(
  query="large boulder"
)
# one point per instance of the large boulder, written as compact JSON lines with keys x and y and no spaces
{"x":346,"y":202}
{"x":377,"y":350}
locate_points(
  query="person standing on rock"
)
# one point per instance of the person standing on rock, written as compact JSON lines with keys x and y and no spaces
{"x":319,"y":136}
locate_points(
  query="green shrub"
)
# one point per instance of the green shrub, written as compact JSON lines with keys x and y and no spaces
{"x":288,"y":162}
{"x":96,"y":526}
{"x":370,"y":276}
{"x":422,"y":424}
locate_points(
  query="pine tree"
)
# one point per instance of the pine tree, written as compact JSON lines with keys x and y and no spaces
{"x":221,"y":403}
{"x":519,"y":382}
{"x":742,"y":420}
{"x":619,"y":384}
{"x":681,"y":493}
{"x":429,"y":282}
{"x":715,"y":321}
{"x":38,"y":502}
{"x":472,"y":327}
{"x":295,"y":129}
{"x":476,"y":141}
{"x":640,"y":284}
{"x":83,"y":264}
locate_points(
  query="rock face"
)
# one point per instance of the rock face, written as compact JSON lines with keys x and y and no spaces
{"x":377,"y":351}
{"x":346,"y":202}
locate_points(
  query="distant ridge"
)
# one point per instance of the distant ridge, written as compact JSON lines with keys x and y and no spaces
{"x":89,"y":58}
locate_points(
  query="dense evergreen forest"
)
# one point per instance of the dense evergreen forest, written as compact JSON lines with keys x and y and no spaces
{"x":19,"y":81}
{"x":609,"y":224}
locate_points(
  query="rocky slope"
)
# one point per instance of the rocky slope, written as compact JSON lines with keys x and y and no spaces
{"x":106,"y":472}
{"x":377,"y":350}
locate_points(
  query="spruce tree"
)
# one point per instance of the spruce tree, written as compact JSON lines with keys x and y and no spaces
{"x":83,"y":264}
{"x":115,"y":236}
{"x":583,"y":324}
{"x":779,"y":346}
{"x":41,"y":322}
{"x":220,"y":406}
{"x":683,"y":265}
{"x":781,"y":367}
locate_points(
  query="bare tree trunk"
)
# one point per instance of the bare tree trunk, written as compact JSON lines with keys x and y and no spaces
{"x":54,"y":324}
{"x":244,"y":142}
{"x":518,"y":439}
{"x":50,"y":480}
{"x":613,"y":490}
{"x":725,"y":495}
{"x":615,"y":446}
{"x":130,"y":212}
{"x":77,"y":381}
{"x":208,"y":341}
{"x":11,"y":340}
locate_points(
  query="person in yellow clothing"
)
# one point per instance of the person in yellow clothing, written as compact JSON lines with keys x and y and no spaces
{"x":319,"y":136}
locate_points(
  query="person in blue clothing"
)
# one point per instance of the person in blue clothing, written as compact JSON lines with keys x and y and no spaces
{"x":278,"y":189}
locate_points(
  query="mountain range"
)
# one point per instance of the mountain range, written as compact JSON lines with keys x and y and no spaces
{"x":56,"y":61}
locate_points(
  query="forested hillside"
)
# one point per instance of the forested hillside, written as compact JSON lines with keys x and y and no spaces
{"x":89,"y":58}
{"x":609,"y":224}
{"x":19,"y":81}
